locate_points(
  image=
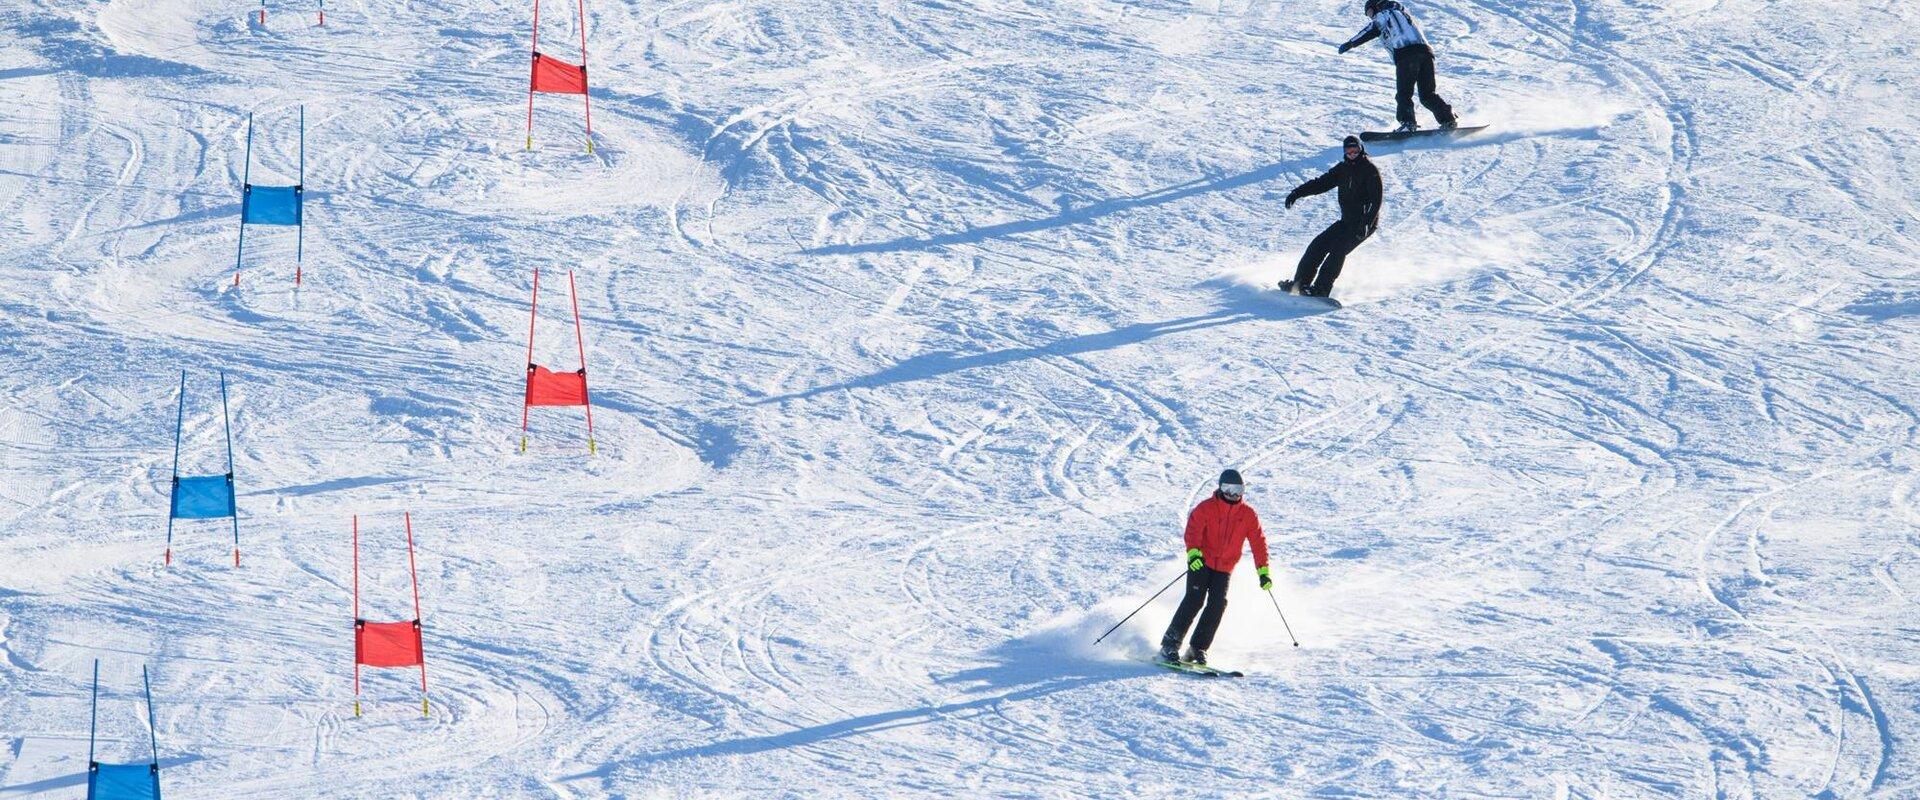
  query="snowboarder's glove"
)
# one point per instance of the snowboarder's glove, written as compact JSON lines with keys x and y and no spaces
{"x":1345,"y":47}
{"x":1194,"y":559}
{"x":1293,"y":197}
{"x":1266,"y":581}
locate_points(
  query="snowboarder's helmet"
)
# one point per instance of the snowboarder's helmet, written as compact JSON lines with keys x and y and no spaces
{"x":1230,"y":484}
{"x":1373,"y":7}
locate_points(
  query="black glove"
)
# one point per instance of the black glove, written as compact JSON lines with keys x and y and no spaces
{"x":1344,"y":48}
{"x":1292,"y":197}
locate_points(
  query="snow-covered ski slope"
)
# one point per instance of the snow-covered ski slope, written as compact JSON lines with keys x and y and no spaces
{"x":915,"y":327}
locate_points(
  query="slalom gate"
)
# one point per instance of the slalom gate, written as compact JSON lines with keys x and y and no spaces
{"x":554,"y":76}
{"x":122,"y":781}
{"x":546,"y":387}
{"x":387,"y":644}
{"x":202,"y":496}
{"x":273,"y":205}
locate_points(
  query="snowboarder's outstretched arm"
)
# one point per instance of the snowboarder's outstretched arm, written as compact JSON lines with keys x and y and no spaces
{"x":1368,"y":34}
{"x":1318,"y":185}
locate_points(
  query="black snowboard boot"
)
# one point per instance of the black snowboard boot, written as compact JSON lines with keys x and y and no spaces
{"x":1287,"y":286}
{"x":1196,"y":656}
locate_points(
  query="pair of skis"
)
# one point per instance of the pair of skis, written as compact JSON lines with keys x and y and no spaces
{"x":1198,"y":670}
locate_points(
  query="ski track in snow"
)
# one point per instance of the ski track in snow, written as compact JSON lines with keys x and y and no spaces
{"x":915,"y":330}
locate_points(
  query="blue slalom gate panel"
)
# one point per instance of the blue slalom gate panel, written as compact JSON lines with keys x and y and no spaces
{"x":205,"y":497}
{"x":270,"y":205}
{"x":124,"y":782}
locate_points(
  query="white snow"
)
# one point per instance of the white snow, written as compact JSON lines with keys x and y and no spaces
{"x":915,"y":327}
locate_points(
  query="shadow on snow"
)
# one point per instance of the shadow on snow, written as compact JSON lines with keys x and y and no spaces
{"x":1242,"y":304}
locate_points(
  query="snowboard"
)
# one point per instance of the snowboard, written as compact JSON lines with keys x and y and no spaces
{"x":1396,"y":136}
{"x":1328,"y":301}
{"x":1198,"y":670}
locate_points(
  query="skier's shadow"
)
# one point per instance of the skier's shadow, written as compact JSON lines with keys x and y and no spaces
{"x":1021,"y":671}
{"x":1239,"y":304}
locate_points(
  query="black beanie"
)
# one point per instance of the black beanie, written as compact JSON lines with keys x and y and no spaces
{"x":1232,"y":476}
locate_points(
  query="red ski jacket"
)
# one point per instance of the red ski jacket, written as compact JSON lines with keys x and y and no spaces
{"x":1218,"y":530}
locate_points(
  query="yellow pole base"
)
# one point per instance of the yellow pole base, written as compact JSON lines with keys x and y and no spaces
{"x":523,"y":444}
{"x":423,"y":707}
{"x":356,"y":708}
{"x":529,"y":142}
{"x":589,"y":147}
{"x":591,"y":447}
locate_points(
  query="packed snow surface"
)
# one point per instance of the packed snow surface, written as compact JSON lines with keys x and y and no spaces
{"x":914,"y":328}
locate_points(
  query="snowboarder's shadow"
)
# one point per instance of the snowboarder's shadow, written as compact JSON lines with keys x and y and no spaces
{"x":1239,"y":304}
{"x":1087,"y":212}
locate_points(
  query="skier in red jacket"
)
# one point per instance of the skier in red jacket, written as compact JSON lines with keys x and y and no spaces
{"x":1216,"y":531}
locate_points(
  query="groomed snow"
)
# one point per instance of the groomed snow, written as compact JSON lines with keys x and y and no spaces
{"x":915,"y":327}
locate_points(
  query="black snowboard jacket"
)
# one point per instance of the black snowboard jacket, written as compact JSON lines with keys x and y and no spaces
{"x":1359,"y":184}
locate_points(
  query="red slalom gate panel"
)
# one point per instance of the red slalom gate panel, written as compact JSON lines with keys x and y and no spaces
{"x":548,"y":388}
{"x":558,"y":77}
{"x":388,"y":644}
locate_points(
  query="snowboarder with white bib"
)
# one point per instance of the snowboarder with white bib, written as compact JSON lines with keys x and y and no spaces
{"x":1412,"y":61}
{"x":1359,"y":183}
{"x":1217,"y":530}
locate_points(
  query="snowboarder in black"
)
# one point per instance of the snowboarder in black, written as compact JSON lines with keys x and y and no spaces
{"x":1412,"y":61}
{"x":1359,"y":184}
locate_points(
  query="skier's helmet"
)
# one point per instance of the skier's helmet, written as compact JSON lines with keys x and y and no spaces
{"x":1231,"y":487}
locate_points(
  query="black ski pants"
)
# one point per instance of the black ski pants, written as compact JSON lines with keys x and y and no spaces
{"x":1413,"y":69}
{"x":1320,"y":265}
{"x":1207,"y":588}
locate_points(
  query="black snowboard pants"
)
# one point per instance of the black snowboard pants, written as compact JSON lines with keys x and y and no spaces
{"x":1204,"y":587}
{"x":1413,"y":69}
{"x":1320,"y":265}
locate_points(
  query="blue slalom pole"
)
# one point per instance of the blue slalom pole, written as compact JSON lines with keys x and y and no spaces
{"x":153,"y":732}
{"x":246,"y":188}
{"x":232,"y":504}
{"x":173,"y":490}
{"x":93,"y":715}
{"x":300,"y":202}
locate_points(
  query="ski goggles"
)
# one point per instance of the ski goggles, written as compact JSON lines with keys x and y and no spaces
{"x":1233,"y":490}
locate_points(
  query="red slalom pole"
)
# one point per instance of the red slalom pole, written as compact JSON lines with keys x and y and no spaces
{"x":356,"y":615}
{"x":533,"y":315}
{"x":581,"y":340}
{"x":533,"y":72}
{"x":414,"y":573}
{"x":584,"y":97}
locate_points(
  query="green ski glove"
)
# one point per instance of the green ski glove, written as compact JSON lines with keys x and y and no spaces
{"x":1266,"y":580}
{"x":1194,"y":560}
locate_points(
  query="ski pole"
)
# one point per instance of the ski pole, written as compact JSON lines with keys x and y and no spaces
{"x":1283,"y":617}
{"x":1156,"y":596}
